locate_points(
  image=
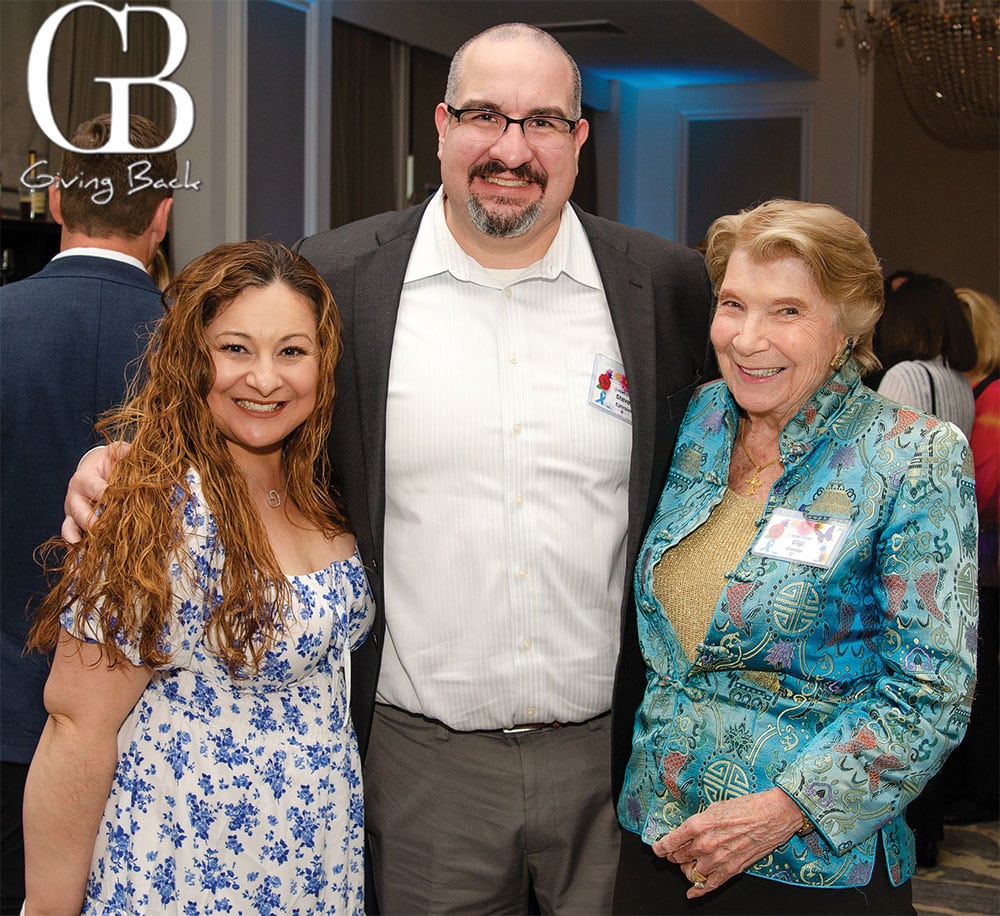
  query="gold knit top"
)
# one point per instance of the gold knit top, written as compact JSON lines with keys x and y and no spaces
{"x":690,"y":576}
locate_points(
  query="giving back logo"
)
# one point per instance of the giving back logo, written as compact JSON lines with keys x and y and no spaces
{"x":118,"y":142}
{"x":36,"y":177}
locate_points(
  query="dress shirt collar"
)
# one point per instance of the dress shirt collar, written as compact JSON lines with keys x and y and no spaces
{"x":435,"y":251}
{"x":101,"y":253}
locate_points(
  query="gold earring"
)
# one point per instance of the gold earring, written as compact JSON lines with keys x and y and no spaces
{"x":837,"y":363}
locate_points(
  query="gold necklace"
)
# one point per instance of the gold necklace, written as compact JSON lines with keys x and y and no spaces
{"x":273,"y":495}
{"x":754,"y":481}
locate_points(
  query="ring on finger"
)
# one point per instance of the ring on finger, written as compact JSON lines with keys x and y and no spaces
{"x":697,"y":878}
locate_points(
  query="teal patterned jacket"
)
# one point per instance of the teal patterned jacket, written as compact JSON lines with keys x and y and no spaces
{"x":846,"y":687}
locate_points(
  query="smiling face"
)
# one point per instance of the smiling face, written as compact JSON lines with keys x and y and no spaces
{"x":774,"y":335}
{"x":266,"y":359}
{"x":507,"y":189}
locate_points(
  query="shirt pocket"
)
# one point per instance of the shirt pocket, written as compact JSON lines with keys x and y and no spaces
{"x":598,"y":434}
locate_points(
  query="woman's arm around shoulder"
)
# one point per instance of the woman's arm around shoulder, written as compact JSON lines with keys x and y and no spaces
{"x":72,"y":770}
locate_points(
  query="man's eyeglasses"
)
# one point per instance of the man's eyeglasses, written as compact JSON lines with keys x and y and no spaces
{"x":490,"y":126}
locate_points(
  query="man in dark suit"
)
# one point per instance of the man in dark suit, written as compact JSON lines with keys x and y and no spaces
{"x":513,"y":377}
{"x":68,"y":336}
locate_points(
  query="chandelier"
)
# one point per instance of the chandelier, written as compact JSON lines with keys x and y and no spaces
{"x":947,"y":54}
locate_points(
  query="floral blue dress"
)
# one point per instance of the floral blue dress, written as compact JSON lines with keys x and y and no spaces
{"x":239,"y":795}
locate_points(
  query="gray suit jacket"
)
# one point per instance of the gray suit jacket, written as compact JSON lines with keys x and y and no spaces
{"x":660,"y":302}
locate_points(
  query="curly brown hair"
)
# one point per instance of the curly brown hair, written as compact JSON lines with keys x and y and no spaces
{"x":117,"y":578}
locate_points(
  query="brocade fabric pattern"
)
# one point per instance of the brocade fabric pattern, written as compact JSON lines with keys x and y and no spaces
{"x":239,"y":795}
{"x":847,"y":687}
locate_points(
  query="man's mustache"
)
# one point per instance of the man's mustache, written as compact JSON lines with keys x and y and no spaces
{"x":522,"y":172}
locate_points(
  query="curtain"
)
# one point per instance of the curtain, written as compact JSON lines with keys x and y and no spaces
{"x":88,"y":45}
{"x":364,"y":119}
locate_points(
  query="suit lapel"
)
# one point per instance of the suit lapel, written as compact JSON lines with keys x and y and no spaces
{"x":378,"y":285}
{"x":629,"y":289}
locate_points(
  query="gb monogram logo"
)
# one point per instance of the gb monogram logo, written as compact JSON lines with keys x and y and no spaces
{"x":118,"y":141}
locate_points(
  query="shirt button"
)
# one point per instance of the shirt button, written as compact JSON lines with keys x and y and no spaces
{"x":526,"y":644}
{"x":522,"y":573}
{"x":530,"y":712}
{"x":512,"y":358}
{"x":517,"y":429}
{"x":519,"y":500}
{"x":508,"y":293}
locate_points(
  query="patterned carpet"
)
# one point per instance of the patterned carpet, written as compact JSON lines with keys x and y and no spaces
{"x":966,"y":879}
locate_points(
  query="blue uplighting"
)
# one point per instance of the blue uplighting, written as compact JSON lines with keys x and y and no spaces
{"x":642,"y":78}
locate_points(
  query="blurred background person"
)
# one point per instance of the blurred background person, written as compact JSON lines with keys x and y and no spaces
{"x":68,"y":336}
{"x":897,"y":278}
{"x":808,"y":666}
{"x":159,"y":268}
{"x":970,"y":777}
{"x":925,"y":344}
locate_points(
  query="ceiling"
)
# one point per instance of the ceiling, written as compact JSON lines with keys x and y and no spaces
{"x":643,"y":42}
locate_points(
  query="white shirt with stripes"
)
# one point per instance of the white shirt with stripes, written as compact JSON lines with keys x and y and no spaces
{"x":910,"y":383}
{"x":506,"y":488}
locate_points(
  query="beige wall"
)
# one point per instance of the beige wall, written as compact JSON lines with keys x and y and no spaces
{"x":788,"y":29}
{"x":934,"y":208}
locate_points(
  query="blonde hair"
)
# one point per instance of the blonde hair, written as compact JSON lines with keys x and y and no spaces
{"x":159,"y":268}
{"x":984,"y":317}
{"x":118,"y":576}
{"x":831,"y":244}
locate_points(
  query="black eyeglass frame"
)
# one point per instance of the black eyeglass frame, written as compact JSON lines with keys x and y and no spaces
{"x":457,"y":113}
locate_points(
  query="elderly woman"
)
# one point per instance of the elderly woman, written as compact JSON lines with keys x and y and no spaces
{"x":806,"y":599}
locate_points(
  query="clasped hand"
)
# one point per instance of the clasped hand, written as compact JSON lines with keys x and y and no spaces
{"x":720,"y":842}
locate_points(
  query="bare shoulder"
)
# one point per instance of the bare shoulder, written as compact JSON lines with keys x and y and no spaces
{"x":344,"y":546}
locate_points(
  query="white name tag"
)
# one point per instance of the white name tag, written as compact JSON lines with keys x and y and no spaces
{"x":609,"y":388}
{"x":791,"y":536}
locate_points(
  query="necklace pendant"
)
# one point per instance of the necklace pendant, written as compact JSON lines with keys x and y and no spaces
{"x":274,"y":499}
{"x":752,"y":483}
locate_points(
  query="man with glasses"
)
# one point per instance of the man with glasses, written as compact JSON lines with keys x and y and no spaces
{"x":513,"y":377}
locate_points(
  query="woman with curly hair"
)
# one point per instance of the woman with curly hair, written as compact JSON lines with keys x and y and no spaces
{"x":199,"y":753}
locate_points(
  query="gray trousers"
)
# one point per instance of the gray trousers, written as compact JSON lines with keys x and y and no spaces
{"x":475,"y":822}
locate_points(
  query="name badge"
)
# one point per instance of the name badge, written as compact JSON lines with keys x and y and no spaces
{"x":791,"y":536}
{"x":609,"y":388}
